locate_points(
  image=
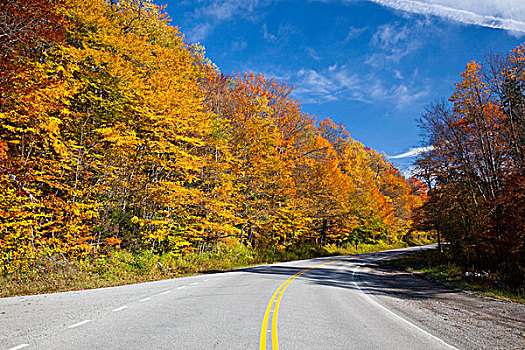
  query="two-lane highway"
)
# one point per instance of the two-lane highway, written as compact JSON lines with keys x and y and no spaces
{"x":325,"y":303}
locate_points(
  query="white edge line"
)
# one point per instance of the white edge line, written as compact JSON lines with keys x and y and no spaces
{"x":120,"y":308}
{"x":21,"y":346}
{"x":79,"y":324}
{"x":145,"y":299}
{"x":396,"y":315}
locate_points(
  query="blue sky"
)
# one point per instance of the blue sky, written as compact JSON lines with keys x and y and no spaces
{"x":372,"y":65}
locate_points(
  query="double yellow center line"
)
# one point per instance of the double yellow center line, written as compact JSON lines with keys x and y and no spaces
{"x":276,"y":297}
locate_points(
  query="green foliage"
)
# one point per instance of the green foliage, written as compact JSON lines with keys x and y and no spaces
{"x":124,"y":267}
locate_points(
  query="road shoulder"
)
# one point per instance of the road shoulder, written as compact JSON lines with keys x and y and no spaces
{"x":465,"y":320}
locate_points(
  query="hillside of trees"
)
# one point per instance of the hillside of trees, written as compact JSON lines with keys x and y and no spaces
{"x":117,"y":135}
{"x":476,"y":170}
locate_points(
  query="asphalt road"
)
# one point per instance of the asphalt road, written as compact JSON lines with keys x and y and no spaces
{"x":326,"y":303}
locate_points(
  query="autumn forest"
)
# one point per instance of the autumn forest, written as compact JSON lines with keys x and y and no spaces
{"x":116,"y":135}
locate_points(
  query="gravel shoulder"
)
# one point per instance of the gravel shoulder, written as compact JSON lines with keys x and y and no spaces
{"x":462,"y":319}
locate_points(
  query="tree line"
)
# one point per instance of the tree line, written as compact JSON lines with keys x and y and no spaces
{"x":116,"y":134}
{"x":476,"y":170}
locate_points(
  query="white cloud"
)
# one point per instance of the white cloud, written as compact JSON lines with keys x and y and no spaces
{"x":354,"y":33}
{"x":331,"y":84}
{"x":413,"y":152}
{"x":205,"y":18}
{"x":405,"y":96}
{"x":388,"y":36}
{"x":266,"y":34}
{"x":400,"y":95}
{"x":335,"y":83}
{"x":502,"y":14}
{"x":227,"y":9}
{"x":393,"y":42}
{"x":312,"y":53}
{"x":199,"y":32}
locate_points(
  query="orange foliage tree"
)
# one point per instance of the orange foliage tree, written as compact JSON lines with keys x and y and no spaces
{"x":475,"y":168}
{"x":114,"y":132}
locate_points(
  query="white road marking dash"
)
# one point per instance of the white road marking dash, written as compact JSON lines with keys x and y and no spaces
{"x":166,"y":292}
{"x":145,"y":299}
{"x":180,"y":287}
{"x":194,"y":283}
{"x":79,"y":324}
{"x":21,"y":346}
{"x":120,"y":308}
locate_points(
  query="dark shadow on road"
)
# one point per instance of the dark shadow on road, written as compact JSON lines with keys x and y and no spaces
{"x":370,"y":277}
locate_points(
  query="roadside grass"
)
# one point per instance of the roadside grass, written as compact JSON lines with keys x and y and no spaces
{"x":124,"y":267}
{"x":432,"y":265}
